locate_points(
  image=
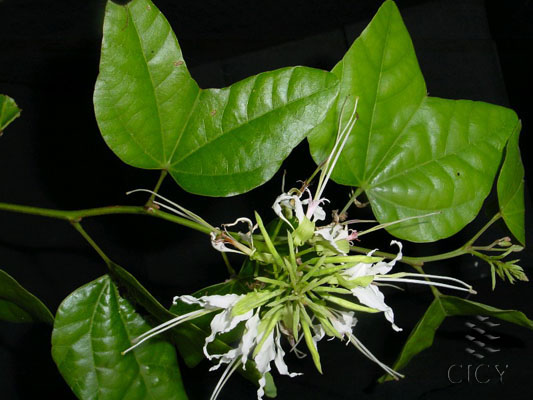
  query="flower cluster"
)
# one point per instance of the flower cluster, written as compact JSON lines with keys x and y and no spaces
{"x":310,"y":287}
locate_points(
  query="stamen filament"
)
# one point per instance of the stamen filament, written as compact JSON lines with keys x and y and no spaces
{"x":165,"y":326}
{"x":372,"y":357}
{"x":383,"y":279}
{"x":230,"y":369}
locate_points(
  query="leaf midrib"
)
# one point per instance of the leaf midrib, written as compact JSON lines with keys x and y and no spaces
{"x":147,"y":69}
{"x":224,"y":133}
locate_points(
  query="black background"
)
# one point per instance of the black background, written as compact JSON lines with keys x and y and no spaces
{"x":54,"y":157}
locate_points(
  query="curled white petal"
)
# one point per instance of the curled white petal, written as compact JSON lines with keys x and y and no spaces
{"x":332,"y":234}
{"x":220,"y":245}
{"x":249,"y":338}
{"x":371,"y":296}
{"x":262,"y":361}
{"x":280,"y":362}
{"x":344,"y":322}
{"x":291,"y":202}
{"x":222,"y":323}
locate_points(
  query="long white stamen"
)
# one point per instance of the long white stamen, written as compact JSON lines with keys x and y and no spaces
{"x":387,"y":224}
{"x":164,"y":327}
{"x":390,"y":285}
{"x":190,"y":215}
{"x":421,"y":282}
{"x":348,"y":128}
{"x":372,"y":357}
{"x":443,"y":277}
{"x":230,"y":369}
{"x":174,"y":210}
{"x":336,"y":151}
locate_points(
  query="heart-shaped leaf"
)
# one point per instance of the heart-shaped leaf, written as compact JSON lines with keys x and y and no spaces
{"x":412,"y":154}
{"x":423,"y":333}
{"x":9,"y":111}
{"x":19,"y":305}
{"x":511,"y":188}
{"x":93,"y":326}
{"x":216,"y":142}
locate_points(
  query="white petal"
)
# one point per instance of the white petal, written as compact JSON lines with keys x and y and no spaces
{"x":371,"y":296}
{"x":221,"y":301}
{"x":266,"y":354}
{"x":222,"y":323}
{"x":225,"y":358}
{"x":291,"y":202}
{"x":249,"y":338}
{"x":261,"y":390}
{"x":344,"y":322}
{"x":358,"y":270}
{"x":298,"y":209}
{"x":332,"y":234}
{"x":262,"y":361}
{"x":280,"y":363}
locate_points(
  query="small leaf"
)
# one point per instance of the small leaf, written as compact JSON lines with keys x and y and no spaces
{"x":511,"y":188}
{"x":92,"y":327}
{"x":411,"y":154}
{"x":9,"y":111}
{"x":215,"y":142}
{"x":19,"y":305}
{"x":423,"y":333}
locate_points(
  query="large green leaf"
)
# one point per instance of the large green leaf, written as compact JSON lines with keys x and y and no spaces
{"x":511,"y":188}
{"x":189,"y":337}
{"x":9,"y":111}
{"x":412,"y":154}
{"x":93,"y":326}
{"x":19,"y":305}
{"x":423,"y":333}
{"x":215,"y":142}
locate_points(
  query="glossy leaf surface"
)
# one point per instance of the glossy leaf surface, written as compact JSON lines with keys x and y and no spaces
{"x":412,"y":154}
{"x":9,"y":111}
{"x":19,"y":305}
{"x":511,"y":188}
{"x":422,"y":335}
{"x":216,"y":142}
{"x":93,"y":326}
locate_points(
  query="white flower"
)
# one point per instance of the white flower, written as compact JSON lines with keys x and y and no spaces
{"x":314,"y":210}
{"x":370,"y":295}
{"x":332,"y":234}
{"x":248,"y":348}
{"x":292,"y":202}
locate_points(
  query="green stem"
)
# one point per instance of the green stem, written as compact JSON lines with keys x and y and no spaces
{"x":157,"y":186}
{"x":93,"y":244}
{"x":419,"y":261}
{"x":231,"y":270}
{"x":352,"y":199}
{"x":482,"y":230}
{"x":434,"y":290}
{"x":78,"y":215}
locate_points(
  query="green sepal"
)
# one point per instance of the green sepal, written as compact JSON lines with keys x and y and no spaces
{"x":311,"y":345}
{"x":361,"y":281}
{"x":304,"y":232}
{"x":253,"y":300}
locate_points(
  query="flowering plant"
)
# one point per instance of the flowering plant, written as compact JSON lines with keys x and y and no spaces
{"x":424,"y":164}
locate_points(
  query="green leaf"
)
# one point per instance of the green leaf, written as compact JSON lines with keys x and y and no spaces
{"x":93,"y":326}
{"x":412,"y":154}
{"x":19,"y":305}
{"x":215,"y":142}
{"x":189,"y":337}
{"x":9,"y":111}
{"x":511,"y":188}
{"x":423,"y":333}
